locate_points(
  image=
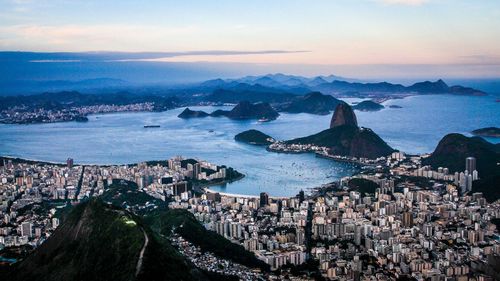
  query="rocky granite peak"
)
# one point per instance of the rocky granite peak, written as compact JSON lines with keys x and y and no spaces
{"x":343,"y":115}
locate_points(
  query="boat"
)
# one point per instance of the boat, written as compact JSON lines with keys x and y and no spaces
{"x":210,"y":131}
{"x":151,"y":126}
{"x":263,"y":120}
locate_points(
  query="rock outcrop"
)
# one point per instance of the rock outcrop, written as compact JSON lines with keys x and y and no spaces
{"x":343,"y":115}
{"x":188,"y":113}
{"x":348,"y":140}
{"x":345,"y":138}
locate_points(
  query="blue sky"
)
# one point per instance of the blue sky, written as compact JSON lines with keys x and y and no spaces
{"x":461,"y":35}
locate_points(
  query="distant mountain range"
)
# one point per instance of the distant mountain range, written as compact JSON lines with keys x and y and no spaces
{"x":251,"y":88}
{"x":314,"y":103}
{"x":332,"y":85}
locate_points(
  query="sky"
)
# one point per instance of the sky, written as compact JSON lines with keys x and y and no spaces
{"x":457,"y":38}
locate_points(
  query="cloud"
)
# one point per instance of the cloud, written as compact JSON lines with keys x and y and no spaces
{"x":405,"y":2}
{"x":69,"y":57}
{"x":93,"y":37}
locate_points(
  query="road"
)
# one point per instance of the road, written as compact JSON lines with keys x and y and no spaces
{"x":141,"y":254}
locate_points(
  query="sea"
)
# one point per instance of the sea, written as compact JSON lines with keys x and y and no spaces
{"x":120,"y":138}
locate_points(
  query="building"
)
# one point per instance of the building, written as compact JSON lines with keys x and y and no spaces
{"x":27,"y":229}
{"x":69,"y":162}
{"x":470,"y":164}
{"x":407,"y":219}
{"x":264,"y":199}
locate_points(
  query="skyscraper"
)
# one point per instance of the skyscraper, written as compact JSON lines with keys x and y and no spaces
{"x":264,"y":199}
{"x":26,"y":229}
{"x":196,"y":170}
{"x":407,"y":219}
{"x":69,"y":162}
{"x":470,"y":164}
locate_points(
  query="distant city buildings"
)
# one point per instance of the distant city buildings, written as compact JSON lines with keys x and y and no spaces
{"x":69,"y":163}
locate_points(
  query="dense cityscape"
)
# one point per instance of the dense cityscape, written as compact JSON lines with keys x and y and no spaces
{"x":392,"y":228}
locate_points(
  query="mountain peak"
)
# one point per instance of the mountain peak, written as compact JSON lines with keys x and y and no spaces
{"x":343,"y":115}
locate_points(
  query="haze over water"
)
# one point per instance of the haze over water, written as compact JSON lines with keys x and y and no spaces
{"x":120,"y":138}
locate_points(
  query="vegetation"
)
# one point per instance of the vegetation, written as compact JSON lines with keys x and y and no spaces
{"x":95,"y":242}
{"x":454,"y":148}
{"x":248,"y":110}
{"x":363,"y":185}
{"x":66,"y":100}
{"x":314,"y":103}
{"x":348,"y":140}
{"x":368,"y":105}
{"x":126,"y":194}
{"x":186,"y":225}
{"x":452,"y":151}
{"x":489,"y":186}
{"x":252,"y":93}
{"x":254,"y":137}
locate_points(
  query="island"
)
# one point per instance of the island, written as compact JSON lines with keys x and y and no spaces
{"x":247,"y":110}
{"x":188,"y":113}
{"x":254,"y":137}
{"x":343,"y":138}
{"x":242,"y":111}
{"x":368,"y":105}
{"x":492,"y":132}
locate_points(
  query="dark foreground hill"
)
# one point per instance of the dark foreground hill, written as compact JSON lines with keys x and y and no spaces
{"x":102,"y":242}
{"x":186,"y":225}
{"x":452,"y":151}
{"x":162,"y":221}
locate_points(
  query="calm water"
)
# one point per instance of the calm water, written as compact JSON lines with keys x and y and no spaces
{"x":120,"y":138}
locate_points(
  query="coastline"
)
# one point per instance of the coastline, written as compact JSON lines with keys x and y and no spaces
{"x":377,"y":99}
{"x":243,"y":195}
{"x":222,"y":182}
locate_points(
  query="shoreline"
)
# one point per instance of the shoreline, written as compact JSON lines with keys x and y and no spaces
{"x":378,"y":99}
{"x":205,"y":185}
{"x":235,"y":195}
{"x":336,"y":158}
